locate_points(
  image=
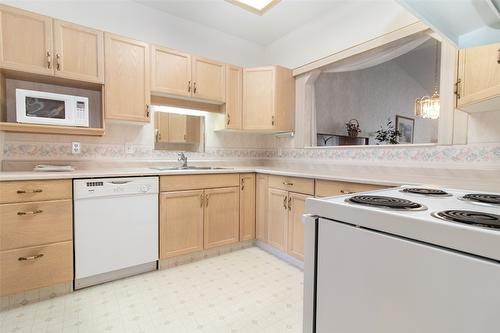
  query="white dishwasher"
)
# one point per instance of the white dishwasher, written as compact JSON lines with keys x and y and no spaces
{"x":115,"y":228}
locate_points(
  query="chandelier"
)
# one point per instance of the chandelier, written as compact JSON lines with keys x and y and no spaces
{"x":428,"y":107}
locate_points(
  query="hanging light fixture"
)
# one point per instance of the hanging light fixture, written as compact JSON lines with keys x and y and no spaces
{"x":428,"y":107}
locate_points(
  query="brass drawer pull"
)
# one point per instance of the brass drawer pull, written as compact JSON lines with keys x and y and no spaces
{"x":346,"y":192}
{"x":49,"y":63}
{"x":58,"y":62}
{"x":29,"y":191}
{"x":33,"y":212}
{"x":287,"y":184}
{"x":38,"y":256}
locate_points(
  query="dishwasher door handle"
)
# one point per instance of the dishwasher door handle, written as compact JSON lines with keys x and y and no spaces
{"x":120,"y":182}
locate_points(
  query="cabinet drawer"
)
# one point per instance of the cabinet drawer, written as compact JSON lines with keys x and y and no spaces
{"x":195,"y":182}
{"x":23,"y":191}
{"x":35,"y":223}
{"x":294,"y":184}
{"x":327,"y":188}
{"x":43,"y":266}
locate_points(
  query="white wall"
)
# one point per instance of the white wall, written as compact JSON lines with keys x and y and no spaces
{"x":134,"y":20}
{"x":356,"y":22}
{"x":484,"y":127}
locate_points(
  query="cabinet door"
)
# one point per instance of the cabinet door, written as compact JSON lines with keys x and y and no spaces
{"x":258,"y":98}
{"x":171,"y":72}
{"x":26,"y":41}
{"x":79,"y":52}
{"x":261,"y":202}
{"x":161,"y":126}
{"x":247,"y":206}
{"x":221,"y":216}
{"x":296,"y":206}
{"x":277,"y":218}
{"x":479,"y":74}
{"x":181,"y":223}
{"x":127,"y":79}
{"x":234,"y":97}
{"x":209,"y":79}
{"x":176,"y":128}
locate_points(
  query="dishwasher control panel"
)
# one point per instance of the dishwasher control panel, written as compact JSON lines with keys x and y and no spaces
{"x":91,"y":188}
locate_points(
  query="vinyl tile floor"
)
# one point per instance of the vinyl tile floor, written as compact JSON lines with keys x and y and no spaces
{"x":246,"y":291}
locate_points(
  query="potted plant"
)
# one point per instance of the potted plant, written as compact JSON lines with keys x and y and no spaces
{"x":390,"y":135}
{"x":352,"y":127}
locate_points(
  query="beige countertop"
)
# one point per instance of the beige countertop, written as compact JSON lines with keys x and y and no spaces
{"x":373,"y":175}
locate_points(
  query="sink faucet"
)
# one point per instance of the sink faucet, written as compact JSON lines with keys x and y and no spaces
{"x":183,"y":158}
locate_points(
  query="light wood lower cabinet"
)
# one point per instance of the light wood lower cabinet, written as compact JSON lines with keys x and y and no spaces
{"x":221,"y":218}
{"x":261,"y":202}
{"x":194,"y":218}
{"x":277,"y":218}
{"x":296,"y":207}
{"x":181,"y":223}
{"x":329,"y":188}
{"x":35,"y":267}
{"x":247,"y":206}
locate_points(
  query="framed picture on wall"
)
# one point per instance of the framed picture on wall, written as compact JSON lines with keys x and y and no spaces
{"x":406,"y":127}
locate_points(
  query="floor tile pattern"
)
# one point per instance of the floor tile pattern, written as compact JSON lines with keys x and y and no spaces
{"x":247,"y":291}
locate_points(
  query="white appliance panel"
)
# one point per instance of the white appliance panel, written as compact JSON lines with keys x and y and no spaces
{"x":371,"y":282}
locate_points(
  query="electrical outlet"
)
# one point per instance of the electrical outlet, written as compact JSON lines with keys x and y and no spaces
{"x":76,"y":148}
{"x":129,"y":148}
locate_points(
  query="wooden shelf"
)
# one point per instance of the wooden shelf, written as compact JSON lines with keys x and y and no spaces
{"x":48,"y":129}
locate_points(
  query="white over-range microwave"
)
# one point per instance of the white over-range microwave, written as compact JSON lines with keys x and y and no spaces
{"x":39,"y":107}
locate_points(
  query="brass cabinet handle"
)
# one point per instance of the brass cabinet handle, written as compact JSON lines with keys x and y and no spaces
{"x":206,"y":200}
{"x":272,"y":121}
{"x":284,"y":202}
{"x":38,"y":190}
{"x":346,"y":192}
{"x":242,"y":184}
{"x":32,"y":212}
{"x":147,"y":110}
{"x":58,"y":61}
{"x":498,"y":56}
{"x":287,"y":184}
{"x":189,"y":86}
{"x":228,"y":119}
{"x":201,"y":200}
{"x":289,"y":203}
{"x":38,"y":256}
{"x":49,"y":60}
{"x":194,"y":87}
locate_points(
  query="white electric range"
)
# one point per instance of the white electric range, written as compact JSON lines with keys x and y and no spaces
{"x":410,"y":259}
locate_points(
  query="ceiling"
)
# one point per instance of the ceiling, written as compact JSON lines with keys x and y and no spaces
{"x":284,"y":17}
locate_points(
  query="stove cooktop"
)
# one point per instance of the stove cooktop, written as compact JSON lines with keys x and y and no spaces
{"x":493,"y":199}
{"x":426,"y":191}
{"x":480,"y":219}
{"x":385,"y":202}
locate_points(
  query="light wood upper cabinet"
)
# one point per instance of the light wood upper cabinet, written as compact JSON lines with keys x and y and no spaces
{"x":268,"y":99}
{"x":209,"y":79}
{"x":247,"y":206}
{"x":79,"y":52}
{"x":234,"y":97}
{"x":478,"y":88}
{"x":170,"y":71}
{"x":221,"y":225}
{"x":296,"y":207}
{"x":277,"y":218}
{"x":181,"y":223}
{"x":261,"y":202}
{"x":26,"y":41}
{"x":127,"y":92}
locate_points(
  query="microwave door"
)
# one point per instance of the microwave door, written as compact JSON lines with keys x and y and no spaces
{"x":37,"y":107}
